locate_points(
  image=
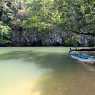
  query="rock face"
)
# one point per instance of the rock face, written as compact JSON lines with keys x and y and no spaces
{"x":87,"y":40}
{"x":54,"y":37}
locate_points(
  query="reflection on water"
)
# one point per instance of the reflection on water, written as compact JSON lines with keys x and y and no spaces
{"x":39,"y":72}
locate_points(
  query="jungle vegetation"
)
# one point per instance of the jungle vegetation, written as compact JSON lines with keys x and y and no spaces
{"x":47,"y":22}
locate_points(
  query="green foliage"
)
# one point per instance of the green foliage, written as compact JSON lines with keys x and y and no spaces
{"x":42,"y":14}
{"x":71,"y":42}
{"x":76,"y":16}
{"x":5,"y":33}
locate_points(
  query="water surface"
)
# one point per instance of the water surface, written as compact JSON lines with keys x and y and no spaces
{"x":44,"y":71}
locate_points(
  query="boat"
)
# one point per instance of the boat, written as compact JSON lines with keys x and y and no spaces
{"x":82,"y":57}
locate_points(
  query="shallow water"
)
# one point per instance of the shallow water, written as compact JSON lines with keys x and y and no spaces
{"x":44,"y":71}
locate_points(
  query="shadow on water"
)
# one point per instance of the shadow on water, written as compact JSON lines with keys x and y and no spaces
{"x":55,"y":61}
{"x":66,"y":78}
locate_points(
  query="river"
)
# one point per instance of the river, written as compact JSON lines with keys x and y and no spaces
{"x":44,"y":71}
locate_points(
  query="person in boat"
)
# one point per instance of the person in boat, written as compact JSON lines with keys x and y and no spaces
{"x":70,"y":50}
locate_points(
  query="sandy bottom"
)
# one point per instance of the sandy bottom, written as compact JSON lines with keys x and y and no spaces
{"x":19,"y":78}
{"x":23,"y":88}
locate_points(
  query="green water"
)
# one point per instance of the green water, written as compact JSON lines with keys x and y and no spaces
{"x":43,"y":71}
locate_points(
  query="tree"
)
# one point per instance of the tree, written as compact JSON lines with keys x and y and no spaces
{"x":24,"y":17}
{"x":77,"y":15}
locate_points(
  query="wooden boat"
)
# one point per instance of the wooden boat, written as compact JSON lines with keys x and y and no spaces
{"x":83,"y":49}
{"x":82,"y":57}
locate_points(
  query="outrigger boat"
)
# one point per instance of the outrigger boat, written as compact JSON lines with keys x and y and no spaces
{"x":82,"y":57}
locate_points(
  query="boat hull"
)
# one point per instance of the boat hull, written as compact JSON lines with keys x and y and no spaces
{"x":85,"y":60}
